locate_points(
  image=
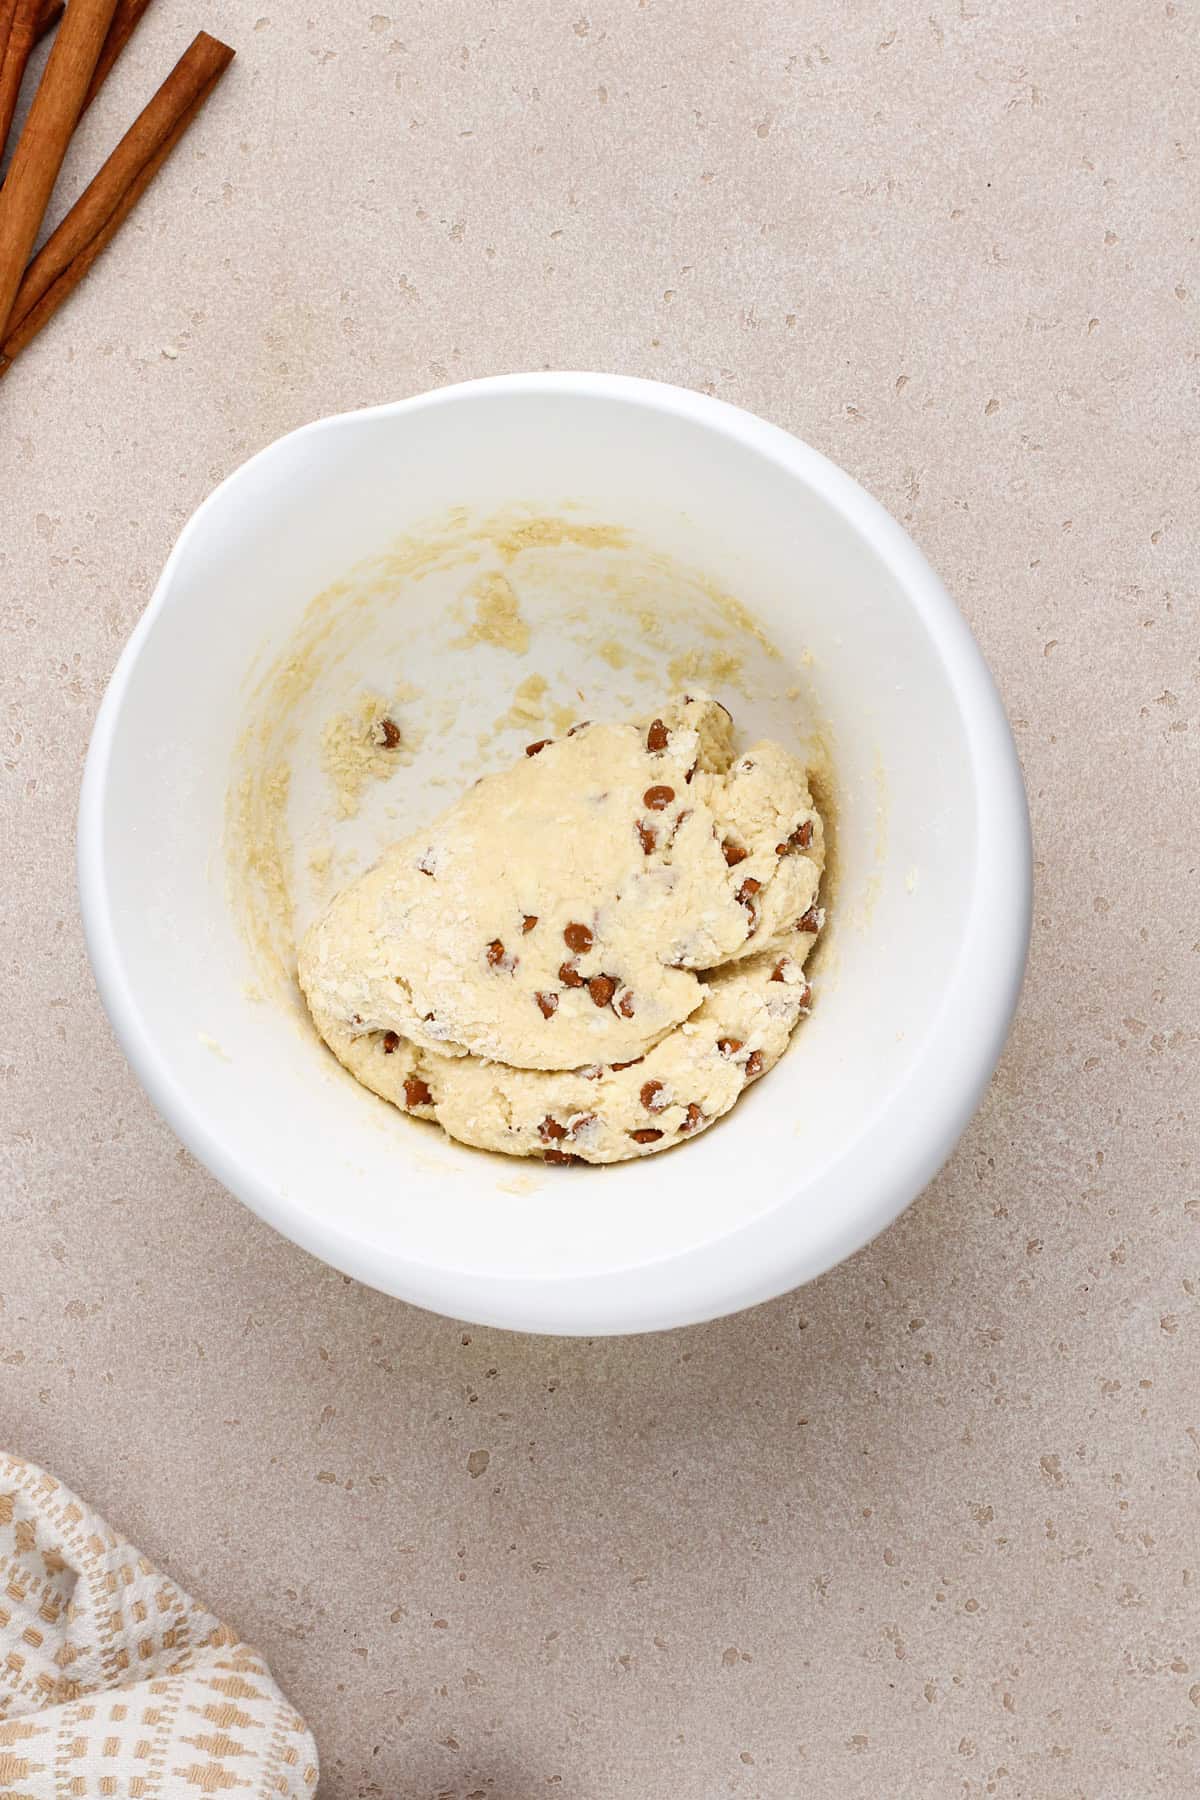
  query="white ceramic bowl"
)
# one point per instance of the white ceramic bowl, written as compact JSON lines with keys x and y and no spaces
{"x":929,"y":917}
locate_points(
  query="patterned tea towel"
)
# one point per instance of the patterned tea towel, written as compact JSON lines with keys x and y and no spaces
{"x":113,"y":1682}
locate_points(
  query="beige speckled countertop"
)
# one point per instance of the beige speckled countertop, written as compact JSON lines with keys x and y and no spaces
{"x":930,"y":1527}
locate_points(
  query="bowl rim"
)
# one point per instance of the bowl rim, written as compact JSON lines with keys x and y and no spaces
{"x":918,"y":1122}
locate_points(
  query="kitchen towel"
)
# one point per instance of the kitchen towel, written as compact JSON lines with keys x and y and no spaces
{"x":113,"y":1681}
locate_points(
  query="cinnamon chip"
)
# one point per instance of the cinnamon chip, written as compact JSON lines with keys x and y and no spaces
{"x":694,"y":1116}
{"x":582,"y":1123}
{"x":532,"y":749}
{"x":729,"y":1046}
{"x":569,"y":975}
{"x":626,"y":1005}
{"x":391,"y":733}
{"x":754,"y":1064}
{"x":391,"y":1040}
{"x":578,"y":938}
{"x":777,"y":973}
{"x":647,"y":1135}
{"x":528,"y":922}
{"x":811,"y":920}
{"x":647,"y":836}
{"x":602,"y":988}
{"x":653,"y":1096}
{"x":800,"y":839}
{"x":559,"y":1156}
{"x":748,"y":890}
{"x":658,"y":736}
{"x":551,"y":1129}
{"x":734,"y":853}
{"x":495,"y":953}
{"x":416,"y":1092}
{"x":631,"y":1064}
{"x":548,"y":1004}
{"x":658,"y":798}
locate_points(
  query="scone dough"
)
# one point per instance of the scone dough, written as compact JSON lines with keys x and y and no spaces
{"x":590,"y":954}
{"x":602,"y":1113}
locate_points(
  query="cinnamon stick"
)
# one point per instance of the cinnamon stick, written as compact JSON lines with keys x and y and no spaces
{"x":18,"y":46}
{"x":43,"y":143}
{"x":126,"y":19}
{"x":47,"y":13}
{"x":104,"y":206}
{"x":52,"y":11}
{"x":125,"y":22}
{"x":7,"y":10}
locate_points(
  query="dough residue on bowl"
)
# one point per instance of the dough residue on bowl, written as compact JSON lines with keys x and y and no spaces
{"x":498,"y":618}
{"x":368,"y":743}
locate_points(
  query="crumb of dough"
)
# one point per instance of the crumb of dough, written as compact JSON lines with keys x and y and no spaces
{"x":614,"y":654}
{"x":590,"y":955}
{"x":528,"y":704}
{"x":530,"y":709}
{"x":715,"y":668}
{"x":252,"y":991}
{"x":519,"y":1184}
{"x":529,"y":695}
{"x":211,"y":1044}
{"x":550,"y":534}
{"x":498,"y":618}
{"x":365,"y":745}
{"x":741,"y":619}
{"x":331,"y":871}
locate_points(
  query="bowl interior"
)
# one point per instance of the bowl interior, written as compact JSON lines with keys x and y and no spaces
{"x":666,"y":508}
